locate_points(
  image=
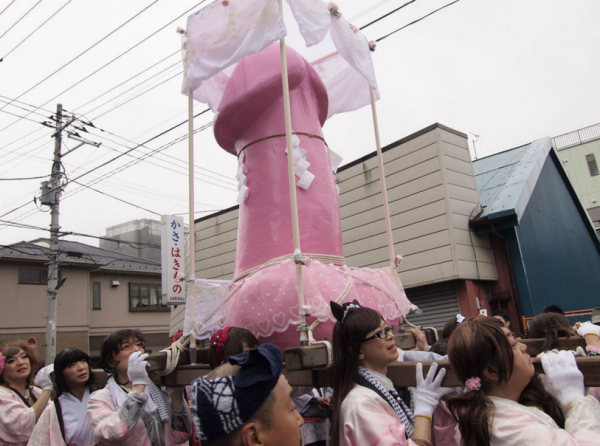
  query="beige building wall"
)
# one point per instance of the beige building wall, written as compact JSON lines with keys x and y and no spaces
{"x":23,"y":309}
{"x":432,"y":194}
{"x":114,"y":311}
{"x":586,"y":185}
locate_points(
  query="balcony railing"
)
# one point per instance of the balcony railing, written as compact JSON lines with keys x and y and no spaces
{"x":577,"y":137}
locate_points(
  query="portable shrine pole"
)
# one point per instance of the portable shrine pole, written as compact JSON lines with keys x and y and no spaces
{"x":386,"y":208}
{"x":292,"y":177}
{"x":191,"y":235}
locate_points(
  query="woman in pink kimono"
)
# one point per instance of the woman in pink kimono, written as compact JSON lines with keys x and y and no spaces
{"x":505,"y":402}
{"x":131,"y":410}
{"x":65,"y":422}
{"x":21,"y":403}
{"x":368,"y":411}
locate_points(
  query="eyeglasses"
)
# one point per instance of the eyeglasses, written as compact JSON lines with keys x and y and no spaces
{"x":381,"y":334}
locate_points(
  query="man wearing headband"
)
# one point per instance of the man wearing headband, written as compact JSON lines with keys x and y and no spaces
{"x":246,"y":402}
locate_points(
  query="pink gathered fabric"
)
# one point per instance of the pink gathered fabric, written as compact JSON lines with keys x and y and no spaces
{"x":110,"y":430}
{"x":17,"y":421}
{"x":367,"y":420}
{"x":515,"y":424}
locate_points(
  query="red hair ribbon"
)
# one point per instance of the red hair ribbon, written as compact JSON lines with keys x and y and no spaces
{"x":218,"y":341}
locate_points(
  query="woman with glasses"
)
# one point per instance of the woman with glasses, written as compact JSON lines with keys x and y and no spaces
{"x":368,"y":410}
{"x":131,"y":410}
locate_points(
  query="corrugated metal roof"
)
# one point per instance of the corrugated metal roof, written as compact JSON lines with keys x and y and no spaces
{"x":506,"y":180}
{"x":75,"y":253}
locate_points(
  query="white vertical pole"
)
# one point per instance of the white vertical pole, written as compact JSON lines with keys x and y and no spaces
{"x":386,"y":208}
{"x":292,"y":175}
{"x":192,"y":234}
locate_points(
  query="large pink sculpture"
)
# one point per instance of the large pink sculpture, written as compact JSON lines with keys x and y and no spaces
{"x":250,"y":117}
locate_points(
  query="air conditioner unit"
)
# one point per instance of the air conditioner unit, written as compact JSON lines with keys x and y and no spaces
{"x":114,"y":283}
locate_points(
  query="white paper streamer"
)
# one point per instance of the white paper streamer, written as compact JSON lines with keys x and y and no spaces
{"x":301,"y":164}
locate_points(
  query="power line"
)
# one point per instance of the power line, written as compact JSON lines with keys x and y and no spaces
{"x":117,"y":198}
{"x":366,"y":11}
{"x":111,"y":61}
{"x":18,"y":179}
{"x":137,"y":96}
{"x":386,"y":15}
{"x":22,"y":108}
{"x":127,"y":80}
{"x":85,"y":51}
{"x":35,"y":30}
{"x":19,"y":116}
{"x":8,"y":6}
{"x":22,"y":17}
{"x":183,"y":162}
{"x":415,"y":21}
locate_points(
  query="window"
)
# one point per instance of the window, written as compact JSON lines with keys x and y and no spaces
{"x":33,"y":276}
{"x":144,"y":297}
{"x":96,"y":296}
{"x":591,"y":162}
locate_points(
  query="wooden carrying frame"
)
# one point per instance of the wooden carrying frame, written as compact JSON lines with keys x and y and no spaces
{"x":304,"y":365}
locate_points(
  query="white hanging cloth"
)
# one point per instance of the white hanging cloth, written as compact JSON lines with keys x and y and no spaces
{"x":221,"y":34}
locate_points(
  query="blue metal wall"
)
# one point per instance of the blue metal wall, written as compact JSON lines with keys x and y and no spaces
{"x":555,"y":257}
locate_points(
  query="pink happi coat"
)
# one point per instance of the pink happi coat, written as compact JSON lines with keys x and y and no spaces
{"x":515,"y":424}
{"x":366,"y":419}
{"x":17,"y":421}
{"x":110,"y":430}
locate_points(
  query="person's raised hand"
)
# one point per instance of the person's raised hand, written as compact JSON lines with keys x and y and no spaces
{"x":562,"y":378}
{"x":324,"y":401}
{"x":429,"y":390}
{"x":43,"y":379}
{"x":420,"y":338}
{"x":136,"y":369}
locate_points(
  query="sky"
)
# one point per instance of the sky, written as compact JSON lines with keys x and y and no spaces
{"x":509,"y":71}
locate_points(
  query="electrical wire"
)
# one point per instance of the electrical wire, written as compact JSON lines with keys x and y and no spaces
{"x":132,"y":88}
{"x":85,"y":51}
{"x":34,"y":31}
{"x":109,"y":62}
{"x":386,"y":15}
{"x":416,"y":21}
{"x":8,"y":6}
{"x":137,"y":96}
{"x":127,"y":80}
{"x":22,"y":17}
{"x":19,"y":179}
{"x":19,"y":116}
{"x":117,"y":198}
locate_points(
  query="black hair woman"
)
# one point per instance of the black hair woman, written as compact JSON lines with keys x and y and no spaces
{"x":367,"y":408}
{"x":66,"y":422}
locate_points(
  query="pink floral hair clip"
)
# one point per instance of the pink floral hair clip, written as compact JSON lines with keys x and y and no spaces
{"x":473,"y":383}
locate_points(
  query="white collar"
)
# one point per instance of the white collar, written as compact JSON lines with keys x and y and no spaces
{"x":383,"y":380}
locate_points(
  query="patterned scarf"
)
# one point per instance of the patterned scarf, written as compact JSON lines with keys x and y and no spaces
{"x":155,"y":394}
{"x":404,"y":413}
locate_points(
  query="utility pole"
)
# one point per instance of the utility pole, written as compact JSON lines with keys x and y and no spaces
{"x":50,"y":196}
{"x":55,"y":189}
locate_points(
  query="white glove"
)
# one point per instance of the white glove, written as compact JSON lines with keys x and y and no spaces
{"x":43,"y":380}
{"x":562,"y":378}
{"x":579,"y":351}
{"x":588,"y":328}
{"x":136,"y":370}
{"x":429,"y":391}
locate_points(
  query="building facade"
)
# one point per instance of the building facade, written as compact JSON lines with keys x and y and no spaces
{"x":143,"y":235}
{"x":105,"y":291}
{"x":579,"y":152}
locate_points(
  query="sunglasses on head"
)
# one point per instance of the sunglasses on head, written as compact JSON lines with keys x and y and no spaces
{"x":381,"y":334}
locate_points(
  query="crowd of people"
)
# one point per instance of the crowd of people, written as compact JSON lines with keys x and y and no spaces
{"x":246,"y":400}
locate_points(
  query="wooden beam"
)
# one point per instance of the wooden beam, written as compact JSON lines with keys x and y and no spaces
{"x":402,"y":374}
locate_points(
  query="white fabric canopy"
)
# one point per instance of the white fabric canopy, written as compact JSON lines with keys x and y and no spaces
{"x":219,"y":36}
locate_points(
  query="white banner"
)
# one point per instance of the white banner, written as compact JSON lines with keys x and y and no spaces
{"x":173,"y":259}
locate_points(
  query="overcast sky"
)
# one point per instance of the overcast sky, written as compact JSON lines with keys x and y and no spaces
{"x":510,"y":71}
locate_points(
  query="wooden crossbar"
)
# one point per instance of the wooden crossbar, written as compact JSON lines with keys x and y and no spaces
{"x":303,"y":363}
